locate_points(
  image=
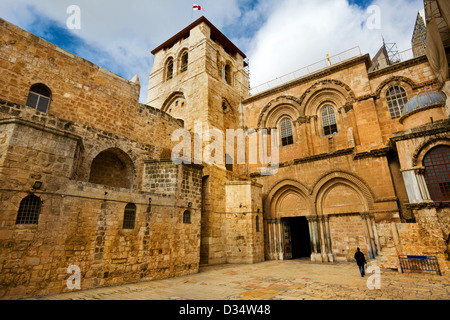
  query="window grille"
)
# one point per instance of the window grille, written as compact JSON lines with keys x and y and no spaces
{"x":129,"y":216}
{"x":286,"y":132}
{"x":39,"y":97}
{"x":329,"y":121}
{"x":29,"y":210}
{"x":187,"y":217}
{"x":396,"y":98}
{"x":437,"y":173}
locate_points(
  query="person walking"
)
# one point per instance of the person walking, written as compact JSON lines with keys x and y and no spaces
{"x":360,"y":261}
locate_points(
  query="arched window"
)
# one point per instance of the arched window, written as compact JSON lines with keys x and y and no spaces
{"x":329,"y":120}
{"x":286,"y":132}
{"x":29,"y":210}
{"x":227,"y":73}
{"x":437,"y":172}
{"x":187,"y":216}
{"x":129,"y":216}
{"x":184,"y":61}
{"x":169,"y":69}
{"x":396,"y":98}
{"x":39,"y":97}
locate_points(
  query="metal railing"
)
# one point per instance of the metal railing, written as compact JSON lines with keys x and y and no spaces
{"x":317,"y":66}
{"x":419,"y":263}
{"x":397,"y":58}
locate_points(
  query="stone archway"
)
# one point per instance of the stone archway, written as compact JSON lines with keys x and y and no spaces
{"x":113,"y":168}
{"x":343,"y":203}
{"x":287,"y":233}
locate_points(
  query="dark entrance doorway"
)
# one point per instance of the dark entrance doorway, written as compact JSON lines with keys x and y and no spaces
{"x":296,"y":236}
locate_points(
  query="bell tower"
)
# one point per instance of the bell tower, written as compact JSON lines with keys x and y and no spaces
{"x":199,"y":75}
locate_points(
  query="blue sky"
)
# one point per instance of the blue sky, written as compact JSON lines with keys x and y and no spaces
{"x":278,"y":36}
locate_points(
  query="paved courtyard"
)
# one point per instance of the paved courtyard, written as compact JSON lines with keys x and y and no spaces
{"x":277,"y":280}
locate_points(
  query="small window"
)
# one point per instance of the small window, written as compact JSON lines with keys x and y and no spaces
{"x":437,"y":172}
{"x":184,"y":61}
{"x":129,"y":216}
{"x":286,"y":132}
{"x":39,"y":97}
{"x":257,"y":223}
{"x":29,"y":210}
{"x":169,"y":69}
{"x":187,"y":217}
{"x":396,"y":98}
{"x":329,"y":121}
{"x":227,"y":73}
{"x":228,"y":162}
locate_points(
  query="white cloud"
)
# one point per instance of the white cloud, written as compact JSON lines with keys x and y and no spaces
{"x":302,"y":32}
{"x":279,"y":36}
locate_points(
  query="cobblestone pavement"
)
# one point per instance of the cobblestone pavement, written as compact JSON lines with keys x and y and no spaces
{"x":277,"y":280}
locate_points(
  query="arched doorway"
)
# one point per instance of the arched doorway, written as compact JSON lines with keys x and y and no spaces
{"x":287,"y":232}
{"x":112,"y":168}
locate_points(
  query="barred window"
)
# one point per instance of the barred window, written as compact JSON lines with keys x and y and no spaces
{"x":329,"y":121}
{"x":39,"y":97}
{"x":29,"y":210}
{"x":184,"y":61}
{"x":437,"y":173}
{"x":169,"y":69}
{"x":129,"y":216}
{"x":187,"y":217}
{"x":396,"y":98}
{"x":286,"y":132}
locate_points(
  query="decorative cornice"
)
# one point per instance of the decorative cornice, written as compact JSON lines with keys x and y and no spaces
{"x":428,"y":205}
{"x":322,"y":156}
{"x":372,"y":153}
{"x":398,"y":66}
{"x":426,"y":130}
{"x":316,"y":75}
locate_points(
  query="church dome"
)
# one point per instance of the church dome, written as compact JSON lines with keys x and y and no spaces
{"x":424,"y":99}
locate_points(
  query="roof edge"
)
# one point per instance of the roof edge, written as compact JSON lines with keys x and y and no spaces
{"x":216,"y":33}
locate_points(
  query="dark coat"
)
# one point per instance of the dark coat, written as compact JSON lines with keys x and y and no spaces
{"x":360,"y":259}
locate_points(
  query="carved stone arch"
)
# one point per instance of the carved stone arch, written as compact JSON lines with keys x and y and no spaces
{"x":180,"y":55}
{"x":346,"y":178}
{"x":281,"y":191}
{"x":167,"y":60}
{"x":422,"y":149}
{"x":333,"y":91}
{"x":171,"y":99}
{"x":283,"y":105}
{"x":112,"y":167}
{"x":226,"y":106}
{"x":397,"y":80}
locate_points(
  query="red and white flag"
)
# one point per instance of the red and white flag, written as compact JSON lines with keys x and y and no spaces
{"x":196,"y":7}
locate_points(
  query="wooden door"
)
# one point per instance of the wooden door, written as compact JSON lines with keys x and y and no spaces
{"x":287,"y":239}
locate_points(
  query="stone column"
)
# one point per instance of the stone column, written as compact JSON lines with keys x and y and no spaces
{"x":370,"y":247}
{"x":422,"y":184}
{"x":323,"y":248}
{"x":328,"y":237}
{"x":316,"y":256}
{"x":311,"y":236}
{"x":375,"y":233}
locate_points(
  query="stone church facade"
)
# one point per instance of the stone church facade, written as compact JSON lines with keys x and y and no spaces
{"x":89,"y":184}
